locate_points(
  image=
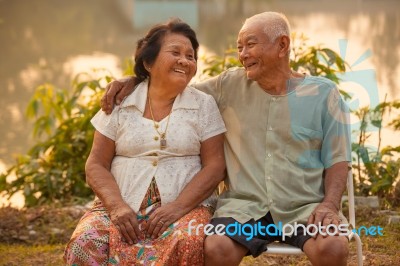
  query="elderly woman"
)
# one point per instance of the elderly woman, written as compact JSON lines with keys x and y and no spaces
{"x":155,"y":162}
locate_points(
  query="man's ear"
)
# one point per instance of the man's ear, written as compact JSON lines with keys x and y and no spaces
{"x":284,"y":45}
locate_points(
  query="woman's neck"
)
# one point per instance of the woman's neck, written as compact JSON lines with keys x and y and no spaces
{"x":160,"y":100}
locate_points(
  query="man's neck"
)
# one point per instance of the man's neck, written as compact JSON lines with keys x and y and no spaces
{"x":281,"y":83}
{"x":276,"y":83}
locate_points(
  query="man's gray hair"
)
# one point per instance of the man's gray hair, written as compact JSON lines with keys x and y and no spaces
{"x":276,"y":24}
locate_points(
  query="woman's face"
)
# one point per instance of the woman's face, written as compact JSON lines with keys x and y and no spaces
{"x":175,"y":63}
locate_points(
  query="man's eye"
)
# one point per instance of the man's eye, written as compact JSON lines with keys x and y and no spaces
{"x":240,"y":48}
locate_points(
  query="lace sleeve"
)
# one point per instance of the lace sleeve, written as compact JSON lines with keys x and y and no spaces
{"x":107,"y":125}
{"x":211,"y":123}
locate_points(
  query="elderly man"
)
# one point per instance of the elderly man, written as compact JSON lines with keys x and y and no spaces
{"x":287,"y":149}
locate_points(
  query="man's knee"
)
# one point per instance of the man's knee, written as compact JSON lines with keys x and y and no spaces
{"x":215,"y":246}
{"x":337,"y":247}
{"x":327,"y":251}
{"x":218,"y":249}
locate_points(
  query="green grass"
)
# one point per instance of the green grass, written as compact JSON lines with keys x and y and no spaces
{"x":22,"y":255}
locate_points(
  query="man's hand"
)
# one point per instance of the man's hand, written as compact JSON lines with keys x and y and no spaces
{"x":116,"y":91}
{"x":163,"y":217}
{"x":124,"y":218}
{"x":325,"y":214}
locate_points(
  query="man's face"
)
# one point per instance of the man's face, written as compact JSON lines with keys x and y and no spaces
{"x":256,"y":53}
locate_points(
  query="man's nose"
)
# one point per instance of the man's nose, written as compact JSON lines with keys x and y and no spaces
{"x":243,"y":54}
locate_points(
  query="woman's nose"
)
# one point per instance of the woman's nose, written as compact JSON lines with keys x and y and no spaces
{"x":183,"y":61}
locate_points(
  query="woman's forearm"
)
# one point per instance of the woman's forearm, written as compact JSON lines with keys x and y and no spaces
{"x":103,"y":184}
{"x":200,"y":187}
{"x":98,"y":171}
{"x":206,"y":181}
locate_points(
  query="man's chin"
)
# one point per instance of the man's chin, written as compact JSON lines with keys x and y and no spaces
{"x":250,"y":76}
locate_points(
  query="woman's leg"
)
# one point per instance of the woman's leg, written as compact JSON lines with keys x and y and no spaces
{"x":89,"y":244}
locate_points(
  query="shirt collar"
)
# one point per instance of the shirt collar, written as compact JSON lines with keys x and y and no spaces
{"x":138,"y":98}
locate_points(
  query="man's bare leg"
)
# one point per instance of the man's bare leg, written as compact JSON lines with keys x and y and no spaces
{"x":332,"y":250}
{"x":221,"y":250}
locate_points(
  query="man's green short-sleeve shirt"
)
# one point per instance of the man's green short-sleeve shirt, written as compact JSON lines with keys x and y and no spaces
{"x":277,"y":147}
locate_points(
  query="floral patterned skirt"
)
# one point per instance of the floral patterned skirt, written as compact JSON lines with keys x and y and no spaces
{"x":96,"y":241}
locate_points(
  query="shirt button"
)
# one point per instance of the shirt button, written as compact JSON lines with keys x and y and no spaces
{"x":268,"y":177}
{"x":269,"y":128}
{"x":155,"y":163}
{"x":269,"y":155}
{"x":274,"y":99}
{"x":156,"y":138}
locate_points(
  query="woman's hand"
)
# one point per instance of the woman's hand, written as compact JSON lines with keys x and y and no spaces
{"x":124,"y":218}
{"x":163,"y":217}
{"x":196,"y":191}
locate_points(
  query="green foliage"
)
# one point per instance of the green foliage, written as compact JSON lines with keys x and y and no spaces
{"x":53,"y":169}
{"x":315,"y":60}
{"x":376,"y":169}
{"x":217,"y":64}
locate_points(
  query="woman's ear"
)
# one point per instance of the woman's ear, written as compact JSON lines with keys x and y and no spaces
{"x":147,"y":66}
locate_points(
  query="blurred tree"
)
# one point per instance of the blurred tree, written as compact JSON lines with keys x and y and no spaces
{"x":53,"y":169}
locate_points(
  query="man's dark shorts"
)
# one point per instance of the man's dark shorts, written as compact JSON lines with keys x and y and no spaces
{"x":258,"y":243}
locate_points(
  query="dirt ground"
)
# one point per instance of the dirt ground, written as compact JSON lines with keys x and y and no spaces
{"x":37,"y":236}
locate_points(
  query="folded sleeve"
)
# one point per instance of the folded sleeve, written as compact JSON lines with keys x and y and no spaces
{"x":211,"y":123}
{"x":107,"y":125}
{"x":336,"y":146}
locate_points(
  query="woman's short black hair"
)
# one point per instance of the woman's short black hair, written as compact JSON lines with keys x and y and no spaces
{"x":148,"y":48}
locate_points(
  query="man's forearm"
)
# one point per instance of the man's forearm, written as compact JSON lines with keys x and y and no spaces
{"x":335,"y":183}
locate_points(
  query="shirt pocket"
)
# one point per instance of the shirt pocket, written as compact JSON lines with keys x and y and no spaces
{"x":304,"y":147}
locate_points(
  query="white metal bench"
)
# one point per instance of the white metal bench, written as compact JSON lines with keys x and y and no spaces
{"x":284,"y":249}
